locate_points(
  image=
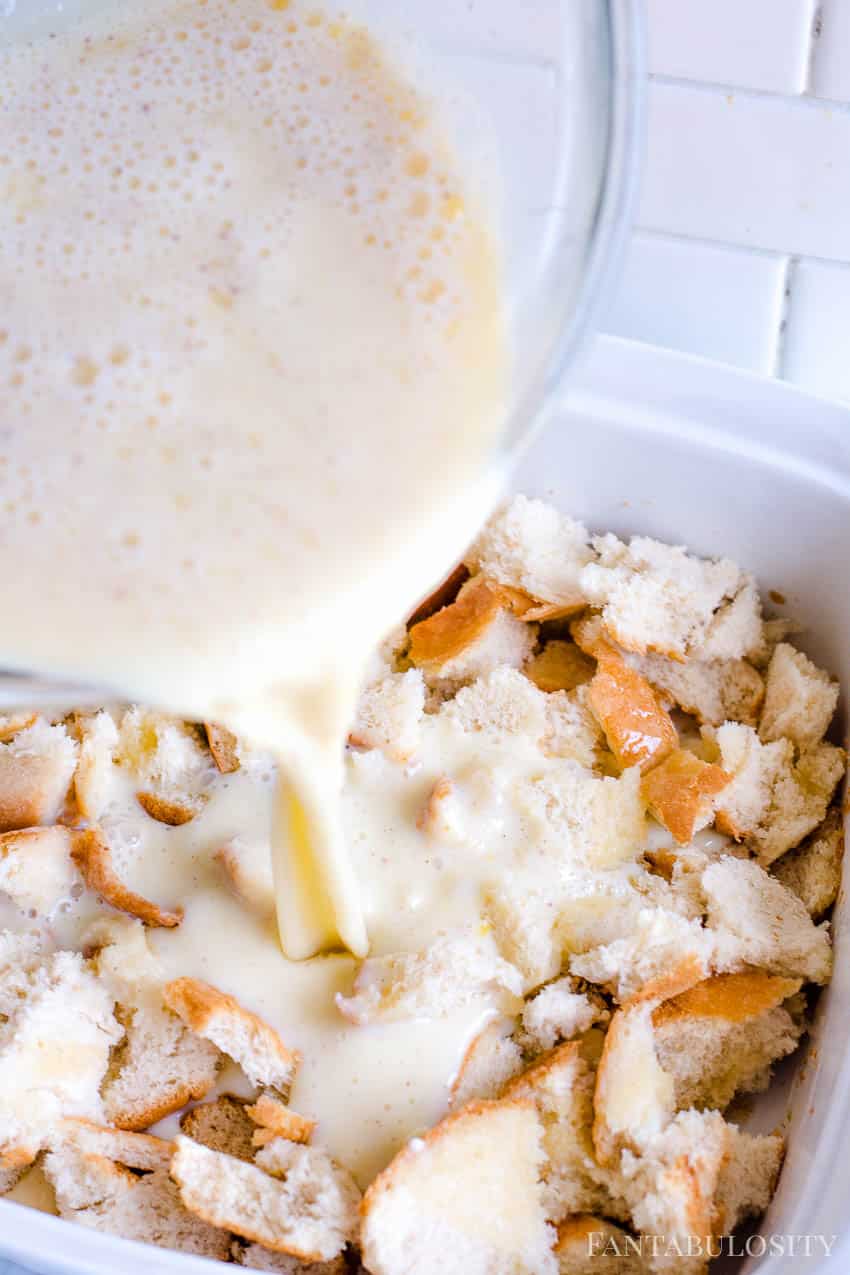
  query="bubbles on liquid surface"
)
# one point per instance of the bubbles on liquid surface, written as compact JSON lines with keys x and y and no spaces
{"x":158,"y":184}
{"x":324,"y":87}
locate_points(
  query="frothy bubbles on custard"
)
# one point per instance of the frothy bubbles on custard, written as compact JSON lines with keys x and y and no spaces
{"x":238,"y":252}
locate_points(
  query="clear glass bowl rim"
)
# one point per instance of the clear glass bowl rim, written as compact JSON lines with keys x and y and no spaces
{"x":626,"y":23}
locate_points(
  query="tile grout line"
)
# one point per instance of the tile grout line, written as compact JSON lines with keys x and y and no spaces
{"x":814,"y":38}
{"x":777,"y":369}
{"x":749,"y":250}
{"x":705,"y":241}
{"x":806,"y":100}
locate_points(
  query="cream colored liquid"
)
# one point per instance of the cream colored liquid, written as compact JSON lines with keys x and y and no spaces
{"x":252,"y":366}
{"x":369,"y":1086}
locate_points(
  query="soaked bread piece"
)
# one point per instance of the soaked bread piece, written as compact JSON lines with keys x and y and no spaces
{"x":237,"y":1032}
{"x":413,"y":1215}
{"x":222,"y":1125}
{"x":294,"y":1200}
{"x":102,"y":1194}
{"x":37,"y":870}
{"x":93,"y":857}
{"x":36,"y":768}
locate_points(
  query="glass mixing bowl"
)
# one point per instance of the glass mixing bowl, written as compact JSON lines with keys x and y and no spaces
{"x":547,"y":96}
{"x":544,"y":98}
{"x":549,"y":93}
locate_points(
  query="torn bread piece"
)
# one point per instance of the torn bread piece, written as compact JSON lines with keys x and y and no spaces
{"x":156,"y":1069}
{"x":813,"y":870}
{"x":293,"y":1200}
{"x":560,"y":666}
{"x":500,"y":703}
{"x":712,"y":691}
{"x":11,"y":724}
{"x":662,"y":952}
{"x":247,"y":866}
{"x":529,"y":545}
{"x":168,"y":761}
{"x":559,"y":1012}
{"x":36,"y":769}
{"x":275,"y":1120}
{"x":540,"y":915}
{"x":56,"y":1031}
{"x":474,"y":635}
{"x":160,"y":1064}
{"x":389,"y":656}
{"x":223,"y":746}
{"x":118,"y":948}
{"x":162,"y":752}
{"x":36,"y":869}
{"x":389,"y":715}
{"x":800,"y":699}
{"x":450,"y":973}
{"x":167,"y":810}
{"x":682,"y":791}
{"x":658,"y":597}
{"x":640,"y":732}
{"x":748,"y":1177}
{"x":167,"y":758}
{"x":736,"y":629}
{"x":103,"y":1195}
{"x":593,"y":639}
{"x":93,"y":857}
{"x":774,"y":799}
{"x":697,"y":1180}
{"x":9,"y":1178}
{"x":598,"y":821}
{"x":573,"y":731}
{"x":756,"y":921}
{"x":95,"y":779}
{"x":413,"y":1214}
{"x":775,"y":630}
{"x":527,"y":925}
{"x":589,"y":1245}
{"x":634,"y":1098}
{"x":222,"y":1125}
{"x":444,"y":594}
{"x":505,"y":704}
{"x":722,"y":1036}
{"x":560,"y":1084}
{"x":248,"y":1040}
{"x":135,"y":1150}
{"x":672,"y":880}
{"x":257,"y":1258}
{"x":492,"y":1058}
{"x":530,"y":609}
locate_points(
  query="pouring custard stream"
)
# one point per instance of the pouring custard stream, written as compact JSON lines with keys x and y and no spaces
{"x":252,"y":368}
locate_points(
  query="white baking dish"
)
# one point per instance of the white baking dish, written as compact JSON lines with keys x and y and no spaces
{"x":655,"y":443}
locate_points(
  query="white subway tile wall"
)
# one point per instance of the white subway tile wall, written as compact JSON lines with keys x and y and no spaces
{"x":831,"y":67}
{"x":742,"y":246}
{"x":761,"y":43}
{"x":760,"y":171}
{"x":816,"y":337}
{"x":725,"y":303}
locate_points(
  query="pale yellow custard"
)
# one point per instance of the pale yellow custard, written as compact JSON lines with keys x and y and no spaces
{"x":252,"y":367}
